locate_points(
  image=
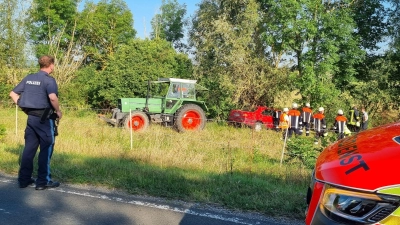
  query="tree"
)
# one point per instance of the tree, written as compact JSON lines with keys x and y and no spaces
{"x":370,"y":17}
{"x":225,"y":42}
{"x":53,"y":31}
{"x":103,"y":27}
{"x":394,"y":18}
{"x":372,"y":90}
{"x":170,"y":23}
{"x":376,"y":86}
{"x":319,"y":37}
{"x":394,"y":54}
{"x":13,"y":48}
{"x":51,"y":24}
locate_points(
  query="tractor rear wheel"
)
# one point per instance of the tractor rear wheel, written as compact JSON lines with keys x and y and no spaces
{"x":190,"y":117}
{"x":137,"y":121}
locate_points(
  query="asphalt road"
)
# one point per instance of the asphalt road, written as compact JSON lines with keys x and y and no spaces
{"x":81,"y":205}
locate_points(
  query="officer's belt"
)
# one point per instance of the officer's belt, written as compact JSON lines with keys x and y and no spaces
{"x":34,"y":112}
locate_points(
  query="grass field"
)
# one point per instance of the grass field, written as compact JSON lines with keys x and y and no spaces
{"x":235,"y":168}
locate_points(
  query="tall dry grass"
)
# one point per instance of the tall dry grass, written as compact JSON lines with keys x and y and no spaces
{"x":237,"y":168}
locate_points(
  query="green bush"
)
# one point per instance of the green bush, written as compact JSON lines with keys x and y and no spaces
{"x":4,"y":94}
{"x":303,"y":150}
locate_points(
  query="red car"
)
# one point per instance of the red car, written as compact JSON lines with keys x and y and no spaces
{"x":261,"y":117}
{"x":355,"y":180}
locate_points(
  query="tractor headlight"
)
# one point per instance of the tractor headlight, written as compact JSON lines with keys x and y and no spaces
{"x":350,"y":206}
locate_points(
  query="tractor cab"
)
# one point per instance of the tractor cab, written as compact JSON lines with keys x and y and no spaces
{"x":180,"y":88}
{"x":179,"y":91}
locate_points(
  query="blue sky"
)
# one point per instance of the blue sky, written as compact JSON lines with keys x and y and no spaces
{"x":144,"y":10}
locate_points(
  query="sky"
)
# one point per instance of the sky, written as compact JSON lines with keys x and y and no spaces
{"x":144,"y":10}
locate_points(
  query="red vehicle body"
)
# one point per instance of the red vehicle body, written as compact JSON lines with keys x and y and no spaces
{"x":261,"y":117}
{"x":355,"y":180}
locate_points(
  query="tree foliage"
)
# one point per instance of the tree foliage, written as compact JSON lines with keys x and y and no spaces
{"x":13,"y":40}
{"x":102,"y":27}
{"x":224,"y":39}
{"x":51,"y":23}
{"x":169,"y":24}
{"x":371,"y":19}
{"x":376,"y":86}
{"x":13,"y":43}
{"x":394,"y":20}
{"x":52,"y":30}
{"x":319,"y":38}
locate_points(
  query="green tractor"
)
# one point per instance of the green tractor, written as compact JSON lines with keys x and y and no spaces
{"x":169,"y":101}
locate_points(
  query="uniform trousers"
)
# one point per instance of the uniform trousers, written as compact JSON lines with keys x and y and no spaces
{"x":293,"y":130}
{"x":37,"y":133}
{"x":307,"y":126}
{"x":364,"y":125}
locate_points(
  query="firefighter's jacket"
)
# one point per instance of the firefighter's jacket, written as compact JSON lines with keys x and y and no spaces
{"x":306,"y":114}
{"x":354,"y":117}
{"x":295,"y":119}
{"x":340,"y":123}
{"x":284,"y":121}
{"x":319,"y":123}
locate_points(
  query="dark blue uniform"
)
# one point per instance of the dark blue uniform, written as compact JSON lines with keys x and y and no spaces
{"x":276,"y":116}
{"x":34,"y":90}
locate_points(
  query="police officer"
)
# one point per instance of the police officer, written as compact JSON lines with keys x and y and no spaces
{"x":37,"y":96}
{"x":364,"y":119}
{"x":276,"y":118}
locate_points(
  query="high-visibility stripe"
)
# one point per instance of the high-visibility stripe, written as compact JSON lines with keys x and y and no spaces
{"x":306,"y":117}
{"x":294,"y":121}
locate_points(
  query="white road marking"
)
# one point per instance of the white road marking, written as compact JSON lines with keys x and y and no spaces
{"x":147,"y":204}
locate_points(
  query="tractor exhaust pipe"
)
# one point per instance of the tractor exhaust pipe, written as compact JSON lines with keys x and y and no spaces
{"x":146,"y":106}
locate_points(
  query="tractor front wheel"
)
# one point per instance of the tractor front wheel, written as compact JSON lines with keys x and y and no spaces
{"x":190,"y":117}
{"x":137,"y":121}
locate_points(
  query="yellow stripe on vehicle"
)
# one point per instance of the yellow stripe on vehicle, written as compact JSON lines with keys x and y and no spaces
{"x":391,"y":220}
{"x":390,"y":191}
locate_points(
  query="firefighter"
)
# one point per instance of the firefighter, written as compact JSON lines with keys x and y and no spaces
{"x":284,"y":122}
{"x":340,"y":124}
{"x":354,"y":122}
{"x":319,"y":125}
{"x":306,"y":116}
{"x":276,"y":118}
{"x":295,"y":121}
